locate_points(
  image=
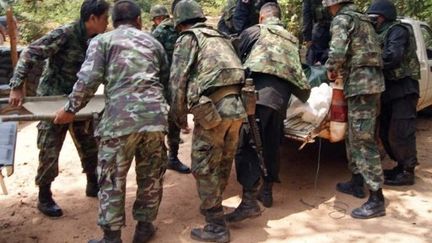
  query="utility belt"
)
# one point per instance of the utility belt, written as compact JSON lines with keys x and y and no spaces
{"x":205,"y":112}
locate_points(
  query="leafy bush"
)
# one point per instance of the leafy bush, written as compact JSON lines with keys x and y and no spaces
{"x":36,"y":16}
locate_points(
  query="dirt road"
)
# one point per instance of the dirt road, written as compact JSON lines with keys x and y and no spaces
{"x":301,"y":212}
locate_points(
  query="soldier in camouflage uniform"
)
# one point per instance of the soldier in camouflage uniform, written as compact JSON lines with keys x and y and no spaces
{"x":134,"y":68}
{"x":270,"y":52}
{"x":399,"y":101}
{"x":316,"y":31}
{"x":206,"y":77}
{"x":166,"y":34}
{"x":355,"y":56}
{"x":64,"y":48}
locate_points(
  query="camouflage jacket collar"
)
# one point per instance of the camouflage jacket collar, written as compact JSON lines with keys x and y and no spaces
{"x":201,"y":25}
{"x":81,"y":32}
{"x":350,"y":7}
{"x":167,"y":21}
{"x":272,"y":21}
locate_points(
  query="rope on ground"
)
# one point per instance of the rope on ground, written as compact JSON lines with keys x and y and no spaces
{"x":338,"y":209}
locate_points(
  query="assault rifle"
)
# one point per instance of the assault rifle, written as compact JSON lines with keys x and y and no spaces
{"x":249,"y":97}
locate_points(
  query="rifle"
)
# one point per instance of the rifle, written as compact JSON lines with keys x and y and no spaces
{"x":249,"y":97}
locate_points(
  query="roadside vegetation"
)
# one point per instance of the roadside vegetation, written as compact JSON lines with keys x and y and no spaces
{"x":36,"y":17}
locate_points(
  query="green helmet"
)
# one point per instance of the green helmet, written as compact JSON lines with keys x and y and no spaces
{"x":187,"y":10}
{"x":158,"y":10}
{"x":328,"y":3}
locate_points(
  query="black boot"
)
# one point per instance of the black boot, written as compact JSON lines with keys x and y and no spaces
{"x":353,"y":187}
{"x":265,"y":196}
{"x":390,"y":174}
{"x":175,"y":164}
{"x":215,"y":230}
{"x":405,"y":177}
{"x":374,"y":207}
{"x":109,"y":237}
{"x":46,"y":204}
{"x":248,"y":207}
{"x":144,"y":231}
{"x":92,"y":187}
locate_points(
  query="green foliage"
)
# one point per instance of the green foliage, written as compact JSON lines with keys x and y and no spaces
{"x":36,"y":16}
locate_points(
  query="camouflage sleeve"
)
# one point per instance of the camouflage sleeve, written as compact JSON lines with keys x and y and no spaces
{"x":164,"y":71}
{"x":185,"y":54}
{"x":37,"y":52}
{"x":157,"y":34}
{"x":341,"y":28}
{"x":90,"y":77}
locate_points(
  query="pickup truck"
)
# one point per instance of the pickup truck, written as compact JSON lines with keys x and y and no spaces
{"x":296,"y":128}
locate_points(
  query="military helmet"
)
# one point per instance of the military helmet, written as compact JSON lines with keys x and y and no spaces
{"x":187,"y":10}
{"x":328,"y":3}
{"x":385,"y":8}
{"x":158,"y":10}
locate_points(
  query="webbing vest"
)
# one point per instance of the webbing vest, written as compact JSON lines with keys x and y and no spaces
{"x":363,"y":41}
{"x":410,"y":66}
{"x":276,"y":53}
{"x":217,"y":63}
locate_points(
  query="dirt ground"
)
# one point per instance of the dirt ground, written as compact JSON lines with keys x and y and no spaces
{"x":301,"y":211}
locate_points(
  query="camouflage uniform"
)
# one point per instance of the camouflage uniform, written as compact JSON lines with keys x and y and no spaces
{"x":203,"y":62}
{"x":166,"y":34}
{"x":356,"y":55}
{"x":64,"y":48}
{"x":133,"y":123}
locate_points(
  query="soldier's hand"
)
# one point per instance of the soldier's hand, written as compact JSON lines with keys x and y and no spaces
{"x":63,"y":117}
{"x":16,"y":97}
{"x":332,"y":75}
{"x":308,"y":44}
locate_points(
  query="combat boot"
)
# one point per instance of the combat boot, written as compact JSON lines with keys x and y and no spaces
{"x":374,"y":207}
{"x":109,"y":237}
{"x":175,"y":164}
{"x":215,"y":230}
{"x":353,"y":187}
{"x":248,"y":207}
{"x":144,"y":231}
{"x":46,"y":204}
{"x":390,"y":174}
{"x":265,"y":196}
{"x":405,"y":177}
{"x":92,"y":187}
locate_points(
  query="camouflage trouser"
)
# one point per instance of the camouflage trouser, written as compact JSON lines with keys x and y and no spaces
{"x":212,"y":157}
{"x":362,"y":150}
{"x":173,"y":136}
{"x":50,"y":141}
{"x":115,"y":158}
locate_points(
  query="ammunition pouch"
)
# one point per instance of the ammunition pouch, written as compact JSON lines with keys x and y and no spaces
{"x":205,"y":112}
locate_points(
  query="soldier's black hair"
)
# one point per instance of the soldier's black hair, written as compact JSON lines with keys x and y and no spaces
{"x":95,"y":7}
{"x":125,"y":12}
{"x":271,"y":8}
